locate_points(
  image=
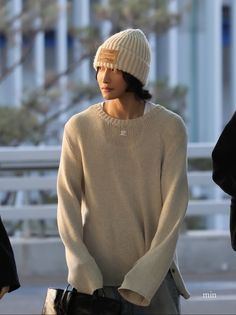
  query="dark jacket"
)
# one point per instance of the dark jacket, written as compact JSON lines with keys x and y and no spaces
{"x":8,"y":272}
{"x":224,"y":169}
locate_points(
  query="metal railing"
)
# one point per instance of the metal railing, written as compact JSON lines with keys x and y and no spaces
{"x":23,"y":169}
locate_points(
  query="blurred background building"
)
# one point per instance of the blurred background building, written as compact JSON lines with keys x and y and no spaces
{"x":47,"y":48}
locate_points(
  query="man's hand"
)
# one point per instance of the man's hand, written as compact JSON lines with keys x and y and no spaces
{"x":3,"y":291}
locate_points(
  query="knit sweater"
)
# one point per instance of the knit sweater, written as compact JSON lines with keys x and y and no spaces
{"x":122,"y":196}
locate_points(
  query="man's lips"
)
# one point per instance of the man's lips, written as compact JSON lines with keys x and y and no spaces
{"x":106,"y":89}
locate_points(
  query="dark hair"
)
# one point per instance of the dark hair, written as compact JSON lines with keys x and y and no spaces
{"x":135,"y":86}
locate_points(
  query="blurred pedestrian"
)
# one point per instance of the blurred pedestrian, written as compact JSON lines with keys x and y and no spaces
{"x":8,"y":274}
{"x":122,"y":186}
{"x":224,"y":169}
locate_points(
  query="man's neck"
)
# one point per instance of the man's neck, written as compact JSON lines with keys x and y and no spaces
{"x":125,"y":109}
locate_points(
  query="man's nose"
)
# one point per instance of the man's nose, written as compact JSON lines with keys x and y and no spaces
{"x":106,"y":77}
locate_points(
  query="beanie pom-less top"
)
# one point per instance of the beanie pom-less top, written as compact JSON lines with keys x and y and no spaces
{"x":128,"y":51}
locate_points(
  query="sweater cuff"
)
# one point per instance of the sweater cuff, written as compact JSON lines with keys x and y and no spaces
{"x":134,"y":297}
{"x":87,"y":278}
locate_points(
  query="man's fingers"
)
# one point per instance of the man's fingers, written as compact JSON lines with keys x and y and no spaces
{"x":3,"y":291}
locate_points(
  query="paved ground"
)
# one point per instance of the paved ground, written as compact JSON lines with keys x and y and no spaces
{"x":213,"y":294}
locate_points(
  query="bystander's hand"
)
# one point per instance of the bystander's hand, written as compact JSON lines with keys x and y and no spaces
{"x":3,"y":291}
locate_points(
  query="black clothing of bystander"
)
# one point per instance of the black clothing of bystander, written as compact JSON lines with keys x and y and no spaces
{"x":224,"y":169}
{"x":8,"y":271}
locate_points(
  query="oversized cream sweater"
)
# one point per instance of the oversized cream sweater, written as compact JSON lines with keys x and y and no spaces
{"x":122,"y":196}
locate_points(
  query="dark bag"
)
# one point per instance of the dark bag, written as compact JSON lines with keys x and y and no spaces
{"x":71,"y":302}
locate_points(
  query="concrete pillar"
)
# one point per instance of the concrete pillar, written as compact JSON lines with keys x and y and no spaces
{"x":15,"y":54}
{"x":61,"y":51}
{"x":85,"y":22}
{"x":210,"y":91}
{"x":39,"y":53}
{"x":173,"y":49}
{"x":106,"y":25}
{"x":81,"y":14}
{"x":207,"y":85}
{"x":153,"y":67}
{"x":233,"y":52}
{"x":192,"y":58}
{"x":76,"y":46}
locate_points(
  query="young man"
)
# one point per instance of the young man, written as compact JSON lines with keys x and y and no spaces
{"x":122,"y":186}
{"x":224,"y":169}
{"x":8,"y":275}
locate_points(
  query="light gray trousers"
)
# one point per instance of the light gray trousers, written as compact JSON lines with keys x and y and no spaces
{"x":165,"y":301}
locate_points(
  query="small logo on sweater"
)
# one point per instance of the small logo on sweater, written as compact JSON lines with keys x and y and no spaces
{"x":123,"y":132}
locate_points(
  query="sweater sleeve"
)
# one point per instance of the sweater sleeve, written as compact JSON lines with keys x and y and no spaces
{"x":83,"y":272}
{"x":142,"y":281}
{"x":223,"y":158}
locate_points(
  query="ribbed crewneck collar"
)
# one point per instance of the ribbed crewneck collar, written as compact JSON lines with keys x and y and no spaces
{"x":127,"y":123}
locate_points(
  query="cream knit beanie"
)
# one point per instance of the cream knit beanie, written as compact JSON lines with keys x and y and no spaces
{"x":128,"y":51}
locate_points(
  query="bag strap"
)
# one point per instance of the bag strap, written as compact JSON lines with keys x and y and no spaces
{"x":99,"y":292}
{"x":65,"y":300}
